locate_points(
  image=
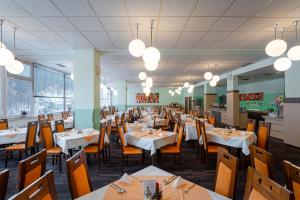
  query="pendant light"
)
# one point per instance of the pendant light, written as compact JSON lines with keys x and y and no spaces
{"x":143,"y":84}
{"x":142,"y":75}
{"x":276,"y":47}
{"x":14,"y":66}
{"x":151,"y":55}
{"x":186,"y":84}
{"x":191,"y":89}
{"x":149,"y":82}
{"x":208,"y":75}
{"x":136,"y":47}
{"x":212,"y":83}
{"x":215,"y":78}
{"x":294,"y":52}
{"x":282,"y":64}
{"x":5,"y":55}
{"x":179,"y":88}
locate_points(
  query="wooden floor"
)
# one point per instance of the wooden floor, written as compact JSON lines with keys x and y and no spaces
{"x":192,"y":169}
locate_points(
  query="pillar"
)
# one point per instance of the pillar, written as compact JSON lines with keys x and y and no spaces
{"x":232,"y":101}
{"x":120,"y":101}
{"x":87,"y":88}
{"x":210,"y":97}
{"x":291,"y":108}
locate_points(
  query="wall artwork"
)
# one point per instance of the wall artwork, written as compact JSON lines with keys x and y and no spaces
{"x":259,"y":96}
{"x":142,"y":98}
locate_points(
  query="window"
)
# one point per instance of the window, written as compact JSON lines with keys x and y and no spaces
{"x":19,"y":92}
{"x":105,"y":95}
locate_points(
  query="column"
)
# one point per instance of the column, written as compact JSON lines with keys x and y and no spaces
{"x":120,"y":101}
{"x":232,"y":101}
{"x":87,"y":88}
{"x":210,"y":97}
{"x":291,"y":108}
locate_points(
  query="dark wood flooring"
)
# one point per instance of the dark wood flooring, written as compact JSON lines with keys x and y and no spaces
{"x":192,"y":169}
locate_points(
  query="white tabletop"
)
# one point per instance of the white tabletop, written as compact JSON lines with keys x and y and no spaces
{"x":72,"y":139}
{"x":10,"y":136}
{"x":191,"y":131}
{"x":68,"y":123}
{"x":148,"y":171}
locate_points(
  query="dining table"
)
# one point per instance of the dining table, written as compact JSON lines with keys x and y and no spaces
{"x":68,"y":123}
{"x":13,"y":135}
{"x":76,"y":138}
{"x":191,"y":131}
{"x":170,"y":187}
{"x":232,"y":138}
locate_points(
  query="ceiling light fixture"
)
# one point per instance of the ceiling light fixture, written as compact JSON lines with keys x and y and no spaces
{"x":5,"y":55}
{"x":215,"y":78}
{"x":186,"y":84}
{"x":179,"y":88}
{"x":151,"y":55}
{"x":212,"y":83}
{"x":282,"y":64}
{"x":208,"y":75}
{"x":136,"y":47}
{"x":143,"y":84}
{"x":276,"y":47}
{"x":14,"y":66}
{"x":294,"y":52}
{"x":142,"y":76}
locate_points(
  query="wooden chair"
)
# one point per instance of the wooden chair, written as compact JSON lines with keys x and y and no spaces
{"x":43,"y":188}
{"x":212,"y":120}
{"x":97,"y":149}
{"x":206,"y":148}
{"x":3,"y":182}
{"x":29,"y":145}
{"x":108,"y":133}
{"x":175,"y":150}
{"x":41,"y":117}
{"x":251,"y":125}
{"x":166,"y":126}
{"x":3,"y":124}
{"x":261,"y":160}
{"x":59,"y":126}
{"x":50,"y":117}
{"x":263,"y":135}
{"x":78,"y":175}
{"x":49,"y":145}
{"x":31,"y":169}
{"x":124,"y":125}
{"x":292,"y":179}
{"x":260,"y":187}
{"x":128,"y":151}
{"x":226,"y":174}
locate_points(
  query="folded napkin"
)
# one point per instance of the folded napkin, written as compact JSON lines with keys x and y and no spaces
{"x":125,"y":179}
{"x":178,"y":182}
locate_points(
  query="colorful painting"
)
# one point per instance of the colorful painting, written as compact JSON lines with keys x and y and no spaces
{"x":259,"y":96}
{"x":142,"y":98}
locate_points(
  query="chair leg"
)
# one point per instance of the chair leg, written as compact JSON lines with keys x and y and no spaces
{"x":122,"y":163}
{"x":6,"y":158}
{"x":98,"y":158}
{"x":59,"y":162}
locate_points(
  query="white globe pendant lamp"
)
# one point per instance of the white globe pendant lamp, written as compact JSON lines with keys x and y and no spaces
{"x":151,"y":66}
{"x":149,"y":84}
{"x":146,"y":90}
{"x":143,"y":84}
{"x":6,"y":55}
{"x":142,"y":76}
{"x":186,"y":84}
{"x":282,"y":64}
{"x":136,"y":47}
{"x":179,"y":88}
{"x":149,"y":80}
{"x":212,"y":83}
{"x":190,"y":90}
{"x":294,"y":52}
{"x":208,"y":75}
{"x":276,"y":47}
{"x":216,"y":78}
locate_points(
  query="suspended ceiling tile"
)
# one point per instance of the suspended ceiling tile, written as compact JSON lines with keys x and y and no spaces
{"x":143,"y":8}
{"x":87,"y":23}
{"x":172,"y":23}
{"x":72,"y":36}
{"x":74,"y":7}
{"x":200,"y":23}
{"x":28,"y":23}
{"x":109,"y":8}
{"x":96,"y":36}
{"x":228,"y":23}
{"x":58,"y":23}
{"x":115,"y":23}
{"x":177,"y":7}
{"x":39,"y":7}
{"x":245,"y":7}
{"x":211,"y":7}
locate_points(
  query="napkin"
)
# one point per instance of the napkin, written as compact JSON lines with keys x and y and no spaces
{"x":178,"y":182}
{"x":125,"y":179}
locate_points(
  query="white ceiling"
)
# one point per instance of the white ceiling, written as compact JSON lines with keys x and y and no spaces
{"x":49,"y":31}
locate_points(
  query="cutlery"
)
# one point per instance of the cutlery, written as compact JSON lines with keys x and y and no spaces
{"x":117,"y":189}
{"x":120,"y":190}
{"x":188,"y":189}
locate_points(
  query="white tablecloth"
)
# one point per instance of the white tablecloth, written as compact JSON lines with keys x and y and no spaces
{"x":10,"y":136}
{"x":148,"y":171}
{"x":158,"y":122}
{"x":150,"y":142}
{"x":68,"y":123}
{"x":235,"y":139}
{"x":72,"y":139}
{"x":191,"y":131}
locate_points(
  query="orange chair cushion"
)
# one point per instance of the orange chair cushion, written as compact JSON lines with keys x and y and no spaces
{"x":296,"y":188}
{"x":261,"y":167}
{"x":92,"y":148}
{"x":16,"y":147}
{"x":54,"y":150}
{"x":129,"y":150}
{"x":223,"y":180}
{"x":81,"y":181}
{"x":255,"y":195}
{"x":213,"y":148}
{"x":170,"y":150}
{"x":47,"y":197}
{"x":32,"y":175}
{"x":3,"y":126}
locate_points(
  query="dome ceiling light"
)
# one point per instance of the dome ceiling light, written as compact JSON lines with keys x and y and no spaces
{"x":276,"y":47}
{"x":186,"y":84}
{"x":142,"y":76}
{"x":208,"y":75}
{"x":6,"y":55}
{"x":294,"y":52}
{"x":136,"y":47}
{"x":282,"y":64}
{"x":151,"y":55}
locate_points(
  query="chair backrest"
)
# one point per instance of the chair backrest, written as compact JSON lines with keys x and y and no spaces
{"x":59,"y":126}
{"x":121,"y":135}
{"x":117,"y":119}
{"x":212,"y":120}
{"x":42,"y":188}
{"x":226,"y":174}
{"x":47,"y":136}
{"x":64,"y":115}
{"x":32,"y":128}
{"x":203,"y":134}
{"x":263,"y":135}
{"x":78,"y":175}
{"x":261,"y":160}
{"x":292,"y":178}
{"x":176,"y":127}
{"x":3,"y":182}
{"x":206,"y":114}
{"x":197,"y":124}
{"x":3,"y":124}
{"x":50,"y":117}
{"x":179,"y":138}
{"x":41,"y":117}
{"x":251,"y":125}
{"x":101,"y":137}
{"x":31,"y":169}
{"x":108,"y":128}
{"x":260,"y":187}
{"x":124,"y":125}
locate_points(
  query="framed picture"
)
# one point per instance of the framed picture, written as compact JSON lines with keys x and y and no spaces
{"x":142,"y":98}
